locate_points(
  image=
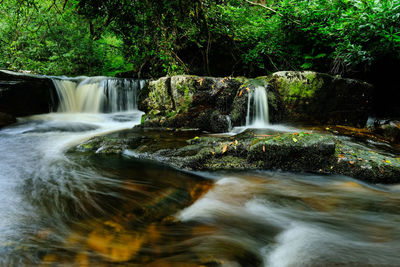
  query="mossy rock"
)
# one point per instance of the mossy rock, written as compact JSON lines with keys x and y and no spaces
{"x":276,"y":109}
{"x":319,"y":98}
{"x":300,"y":152}
{"x":190,"y":101}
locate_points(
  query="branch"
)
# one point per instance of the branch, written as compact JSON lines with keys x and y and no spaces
{"x":264,"y":6}
{"x":272,"y":10}
{"x":178,"y":58}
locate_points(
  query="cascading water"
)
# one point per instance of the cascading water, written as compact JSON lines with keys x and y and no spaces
{"x":97,"y":94}
{"x":257,"y":108}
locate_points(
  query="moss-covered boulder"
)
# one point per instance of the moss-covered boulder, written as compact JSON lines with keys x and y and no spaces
{"x":24,"y":94}
{"x":251,"y":150}
{"x":318,"y":98}
{"x":300,"y":152}
{"x":187,"y":101}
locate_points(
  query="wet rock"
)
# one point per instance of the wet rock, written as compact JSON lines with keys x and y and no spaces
{"x":276,"y":108}
{"x":318,"y":98}
{"x":301,"y":152}
{"x":389,"y":129}
{"x":187,"y":101}
{"x":300,"y":97}
{"x":25,"y":94}
{"x":6,"y":119}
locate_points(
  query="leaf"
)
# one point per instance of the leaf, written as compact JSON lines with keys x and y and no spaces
{"x":320,"y":55}
{"x":294,"y":139}
{"x":307,"y":65}
{"x":196,"y":137}
{"x":263,"y":148}
{"x":200,"y":81}
{"x":247,"y":89}
{"x":241,"y":92}
{"x":236,"y":142}
{"x":351,"y":162}
{"x":224,"y":149}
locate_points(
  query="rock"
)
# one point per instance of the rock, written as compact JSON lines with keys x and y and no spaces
{"x":318,"y":98}
{"x":25,"y":94}
{"x":388,"y":129}
{"x":296,"y":97}
{"x":252,"y":150}
{"x":190,"y":102}
{"x":6,"y":119}
{"x":302,"y":152}
{"x":276,"y":109}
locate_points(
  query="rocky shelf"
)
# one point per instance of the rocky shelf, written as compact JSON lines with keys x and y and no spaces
{"x":315,"y":152}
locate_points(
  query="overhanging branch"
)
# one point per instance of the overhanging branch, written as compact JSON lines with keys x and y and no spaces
{"x":272,"y":10}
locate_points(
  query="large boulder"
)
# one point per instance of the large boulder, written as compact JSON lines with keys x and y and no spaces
{"x":318,"y":98}
{"x":216,"y":104}
{"x":190,"y":102}
{"x":315,"y":152}
{"x":25,"y":94}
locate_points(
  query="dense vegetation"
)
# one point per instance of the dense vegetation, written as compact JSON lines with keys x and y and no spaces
{"x":208,"y":37}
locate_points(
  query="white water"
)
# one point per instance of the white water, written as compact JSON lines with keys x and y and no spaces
{"x":257,"y":108}
{"x":97,"y":94}
{"x":34,"y":170}
{"x":292,"y":220}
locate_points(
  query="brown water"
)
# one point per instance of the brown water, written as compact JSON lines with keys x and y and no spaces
{"x":62,"y":209}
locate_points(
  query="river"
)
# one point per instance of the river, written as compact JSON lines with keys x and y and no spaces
{"x":63,"y":209}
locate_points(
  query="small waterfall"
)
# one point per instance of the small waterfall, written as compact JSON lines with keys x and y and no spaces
{"x":228,"y":119}
{"x":97,"y":94}
{"x":257,"y":108}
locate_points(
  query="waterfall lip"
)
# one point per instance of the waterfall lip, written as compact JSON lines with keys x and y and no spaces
{"x":97,"y":94}
{"x":257,"y":108}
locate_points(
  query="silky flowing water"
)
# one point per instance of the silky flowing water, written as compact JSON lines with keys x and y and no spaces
{"x":60,"y":208}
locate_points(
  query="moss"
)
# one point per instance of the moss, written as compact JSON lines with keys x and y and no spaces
{"x":301,"y":86}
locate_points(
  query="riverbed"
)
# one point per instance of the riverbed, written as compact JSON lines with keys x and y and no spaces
{"x":60,"y":208}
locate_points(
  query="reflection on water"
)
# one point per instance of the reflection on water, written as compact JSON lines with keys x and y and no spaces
{"x":63,"y":209}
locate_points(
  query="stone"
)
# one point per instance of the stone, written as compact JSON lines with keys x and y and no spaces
{"x":6,"y":119}
{"x":25,"y":94}
{"x":253,"y":150}
{"x":319,"y":98}
{"x":301,"y":152}
{"x":187,"y":101}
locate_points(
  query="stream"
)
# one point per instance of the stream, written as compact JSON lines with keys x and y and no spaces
{"x":60,"y":208}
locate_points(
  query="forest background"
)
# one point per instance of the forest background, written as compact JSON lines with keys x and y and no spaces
{"x":151,"y":38}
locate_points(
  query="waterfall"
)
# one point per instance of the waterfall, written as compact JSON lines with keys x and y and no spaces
{"x":97,"y":94}
{"x":257,"y":108}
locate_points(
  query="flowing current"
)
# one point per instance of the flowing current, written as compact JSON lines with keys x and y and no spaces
{"x":257,"y":108}
{"x":60,"y":208}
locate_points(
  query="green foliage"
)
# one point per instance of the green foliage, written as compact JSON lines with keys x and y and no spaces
{"x":49,"y":38}
{"x":206,"y":37}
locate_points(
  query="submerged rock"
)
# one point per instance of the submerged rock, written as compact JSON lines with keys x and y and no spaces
{"x":300,"y":152}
